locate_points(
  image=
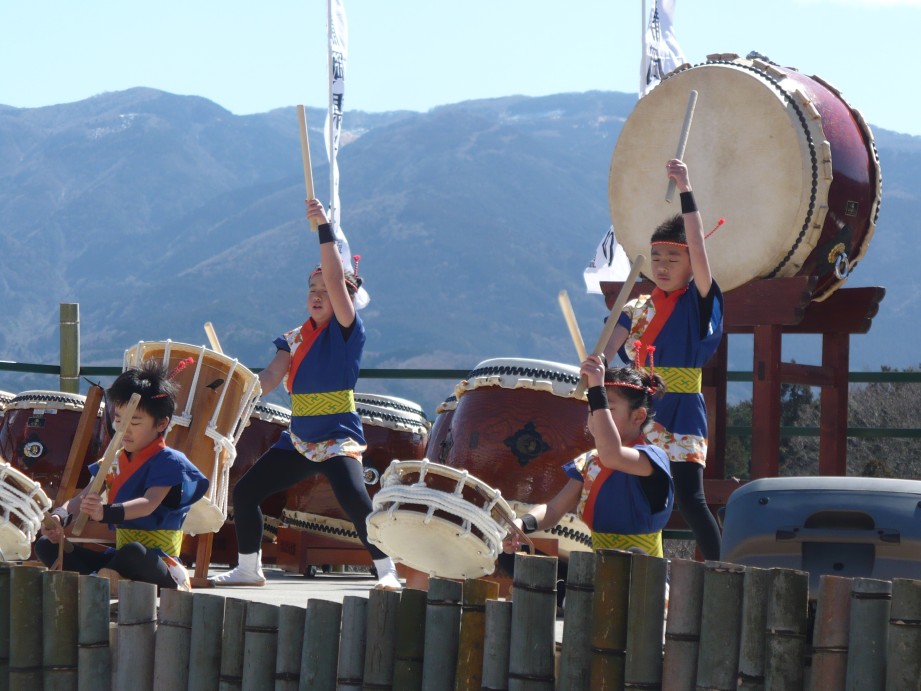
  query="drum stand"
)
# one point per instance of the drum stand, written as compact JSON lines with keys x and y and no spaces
{"x":768,"y":309}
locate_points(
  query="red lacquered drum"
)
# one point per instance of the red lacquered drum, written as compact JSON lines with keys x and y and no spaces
{"x":38,"y":430}
{"x":22,"y":505}
{"x":791,"y":167}
{"x":216,"y":395}
{"x":394,"y":428}
{"x":516,"y":424}
{"x":440,"y":440}
{"x":5,"y":397}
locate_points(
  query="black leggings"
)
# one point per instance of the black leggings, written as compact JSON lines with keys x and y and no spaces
{"x":133,"y":561}
{"x":278,"y":469}
{"x":690,"y":500}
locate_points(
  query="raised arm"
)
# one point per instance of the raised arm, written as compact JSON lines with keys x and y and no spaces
{"x":693,"y":228}
{"x":333,"y":273}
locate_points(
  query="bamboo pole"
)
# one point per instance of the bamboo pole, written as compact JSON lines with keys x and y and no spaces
{"x":205,"y":648}
{"x":532,"y":642}
{"x":26,"y":644}
{"x":442,"y":632}
{"x":352,"y":643}
{"x":305,"y":156}
{"x":831,"y":633}
{"x":410,"y":646}
{"x":108,"y":459}
{"x":468,"y":676}
{"x":497,"y":633}
{"x":867,"y":637}
{"x":609,"y":618}
{"x":137,"y":629}
{"x":646,"y":623}
{"x":232,"y":642}
{"x":755,"y":594}
{"x":570,"y":316}
{"x":785,"y":640}
{"x":575,"y":658}
{"x":720,"y":626}
{"x":4,"y":626}
{"x":59,"y":629}
{"x":320,"y":645}
{"x":69,"y":379}
{"x":904,"y":648}
{"x":173,"y":640}
{"x":260,"y":645}
{"x":94,"y":656}
{"x":682,"y":630}
{"x":291,"y":620}
{"x":380,"y":645}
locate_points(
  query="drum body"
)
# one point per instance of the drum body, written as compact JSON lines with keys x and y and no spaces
{"x":439,"y":520}
{"x":440,"y":440}
{"x":791,"y":167}
{"x":38,"y":430}
{"x":22,"y":506}
{"x":516,"y":424}
{"x":216,"y":395}
{"x":5,"y":397}
{"x":394,"y":428}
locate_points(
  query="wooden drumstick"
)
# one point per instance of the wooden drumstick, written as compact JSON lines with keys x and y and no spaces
{"x":49,"y":524}
{"x":682,"y":141}
{"x":570,"y":318}
{"x":305,"y":155}
{"x":611,"y":323}
{"x":212,"y":338}
{"x":108,"y":459}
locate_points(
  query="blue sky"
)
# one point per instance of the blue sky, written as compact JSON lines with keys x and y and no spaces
{"x":252,"y":57}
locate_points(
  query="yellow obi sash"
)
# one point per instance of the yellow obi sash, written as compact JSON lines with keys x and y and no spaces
{"x":167,"y":541}
{"x":681,"y":379}
{"x":326,"y":403}
{"x":650,"y":543}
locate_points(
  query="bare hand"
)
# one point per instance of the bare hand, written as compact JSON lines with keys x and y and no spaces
{"x":512,"y":542}
{"x":678,"y":171}
{"x":316,"y":212}
{"x":54,"y":534}
{"x":91,"y":505}
{"x":593,"y":370}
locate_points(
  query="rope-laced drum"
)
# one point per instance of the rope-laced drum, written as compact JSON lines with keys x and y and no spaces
{"x":439,"y":520}
{"x":789,"y":164}
{"x":38,"y":430}
{"x":394,"y":428}
{"x":22,"y":506}
{"x":216,"y":396}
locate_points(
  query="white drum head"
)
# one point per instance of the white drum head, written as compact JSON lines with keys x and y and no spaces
{"x":46,"y":400}
{"x":521,"y":373}
{"x":749,"y":162}
{"x":203,"y":517}
{"x":390,"y":402}
{"x":14,"y":543}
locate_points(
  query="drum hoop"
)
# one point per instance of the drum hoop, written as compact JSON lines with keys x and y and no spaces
{"x":383,"y":401}
{"x":560,"y":380}
{"x":370,"y":414}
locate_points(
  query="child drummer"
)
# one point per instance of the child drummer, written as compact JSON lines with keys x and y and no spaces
{"x":150,"y":489}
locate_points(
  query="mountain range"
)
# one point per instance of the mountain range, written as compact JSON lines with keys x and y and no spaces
{"x":157,"y":213}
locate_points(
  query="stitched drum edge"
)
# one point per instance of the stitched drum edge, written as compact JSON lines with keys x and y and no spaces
{"x":415,"y":410}
{"x":398,"y":420}
{"x":747,"y":64}
{"x":46,"y":397}
{"x":322,"y":525}
{"x":523,"y":371}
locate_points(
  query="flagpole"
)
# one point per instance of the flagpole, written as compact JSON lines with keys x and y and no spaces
{"x":333,"y":212}
{"x":639,"y":93}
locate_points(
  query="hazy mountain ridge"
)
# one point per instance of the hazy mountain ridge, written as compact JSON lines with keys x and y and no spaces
{"x":159,"y":212}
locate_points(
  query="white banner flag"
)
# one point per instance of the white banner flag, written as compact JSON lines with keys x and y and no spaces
{"x":661,"y":52}
{"x":610,"y":264}
{"x":338,"y":30}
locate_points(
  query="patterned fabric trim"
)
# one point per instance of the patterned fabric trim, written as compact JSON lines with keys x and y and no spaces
{"x":326,"y":403}
{"x":167,"y":541}
{"x":324,"y":450}
{"x":681,"y":379}
{"x":679,"y":447}
{"x":651,"y":543}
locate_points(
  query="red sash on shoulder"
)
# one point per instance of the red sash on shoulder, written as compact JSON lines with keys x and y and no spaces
{"x":309,"y":333}
{"x":588,"y":511}
{"x":128,"y":466}
{"x":665,"y":305}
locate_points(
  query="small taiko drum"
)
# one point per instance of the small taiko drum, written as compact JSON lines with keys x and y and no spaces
{"x":394,"y":428}
{"x":22,"y":506}
{"x":516,"y":424}
{"x":781,"y":156}
{"x":216,"y":395}
{"x":439,"y":520}
{"x":440,"y":439}
{"x":38,"y":430}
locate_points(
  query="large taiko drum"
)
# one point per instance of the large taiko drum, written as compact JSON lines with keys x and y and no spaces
{"x":5,"y":397}
{"x":440,"y":439}
{"x":394,"y":428}
{"x":781,"y":156}
{"x":38,"y":430}
{"x":22,"y":506}
{"x":516,"y":424}
{"x":439,"y":520}
{"x":216,"y":395}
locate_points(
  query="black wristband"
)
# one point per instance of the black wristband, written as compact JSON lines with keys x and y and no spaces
{"x":325,"y":231}
{"x":597,"y":398}
{"x":528,"y":523}
{"x":63,"y":516}
{"x":113,"y":514}
{"x":688,"y":203}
